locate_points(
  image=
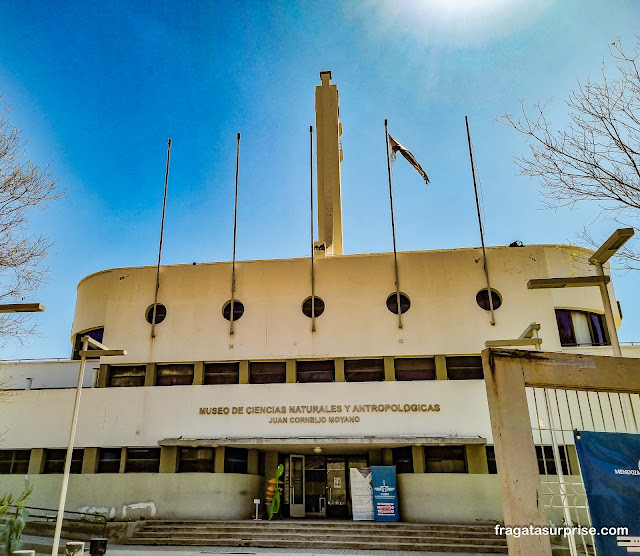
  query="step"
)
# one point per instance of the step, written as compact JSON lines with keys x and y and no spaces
{"x":318,"y":545}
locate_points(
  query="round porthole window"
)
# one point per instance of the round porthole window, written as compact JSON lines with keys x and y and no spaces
{"x":392,"y":303}
{"x":161,"y":313}
{"x":238,"y":310}
{"x":318,"y":307}
{"x":482,"y":299}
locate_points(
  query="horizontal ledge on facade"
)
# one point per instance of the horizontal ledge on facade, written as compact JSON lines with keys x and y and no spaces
{"x":569,"y":282}
{"x":364,"y":441}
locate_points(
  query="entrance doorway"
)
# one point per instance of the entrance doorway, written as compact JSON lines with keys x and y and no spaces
{"x":318,"y":486}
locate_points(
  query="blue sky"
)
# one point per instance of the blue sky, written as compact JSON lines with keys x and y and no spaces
{"x":98,"y":87}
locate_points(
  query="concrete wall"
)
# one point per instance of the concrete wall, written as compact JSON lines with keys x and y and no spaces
{"x":45,"y":374}
{"x":449,"y":497}
{"x":145,"y":495}
{"x":144,"y":416}
{"x":442,"y":285}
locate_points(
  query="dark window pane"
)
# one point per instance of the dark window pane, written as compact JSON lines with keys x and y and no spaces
{"x":267,"y":372}
{"x":403,"y":459}
{"x":109,"y":461}
{"x":445,"y":459}
{"x":316,"y":371}
{"x":14,"y":462}
{"x":238,"y":310}
{"x":161,"y":313}
{"x":547,"y":464}
{"x":175,"y":374}
{"x":565,"y":327}
{"x":482,"y":299}
{"x":142,"y":460}
{"x":415,"y":368}
{"x":392,"y":303}
{"x":126,"y":375}
{"x":467,"y":367}
{"x":96,"y":334}
{"x":364,"y":370}
{"x":318,"y":306}
{"x":491,"y":460}
{"x":54,"y":460}
{"x":598,"y":330}
{"x":222,"y":373}
{"x":195,"y":460}
{"x":235,"y":460}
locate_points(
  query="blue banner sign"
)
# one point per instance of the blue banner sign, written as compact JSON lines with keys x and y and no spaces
{"x":385,"y":493}
{"x":610,"y":463}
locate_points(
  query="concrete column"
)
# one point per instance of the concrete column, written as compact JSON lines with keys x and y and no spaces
{"x":441,"y":367}
{"x":243,"y":372}
{"x":291,"y":370}
{"x":476,"y":459}
{"x":150,"y":375}
{"x":218,"y":462}
{"x":123,"y":459}
{"x":252,"y":462}
{"x":389,"y":369}
{"x":387,"y":456}
{"x":270,"y":465}
{"x":36,"y":461}
{"x":103,"y":374}
{"x":198,"y":372}
{"x":375,"y":457}
{"x":518,"y":475}
{"x":417,"y":453}
{"x":168,"y":459}
{"x":90,"y":460}
{"x":339,"y":369}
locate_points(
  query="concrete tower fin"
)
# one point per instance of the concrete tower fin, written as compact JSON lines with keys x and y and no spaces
{"x":329,"y":157}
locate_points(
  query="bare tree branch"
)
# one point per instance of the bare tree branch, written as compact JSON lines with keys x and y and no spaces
{"x":23,"y":187}
{"x":597,"y":156}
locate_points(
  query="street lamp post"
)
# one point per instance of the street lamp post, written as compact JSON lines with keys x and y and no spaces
{"x":100,"y":350}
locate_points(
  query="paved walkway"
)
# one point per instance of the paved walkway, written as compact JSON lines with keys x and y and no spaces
{"x":226,"y":550}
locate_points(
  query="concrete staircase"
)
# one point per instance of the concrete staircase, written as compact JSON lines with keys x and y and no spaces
{"x":311,"y":534}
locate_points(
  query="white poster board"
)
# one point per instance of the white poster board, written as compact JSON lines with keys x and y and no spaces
{"x":361,"y":494}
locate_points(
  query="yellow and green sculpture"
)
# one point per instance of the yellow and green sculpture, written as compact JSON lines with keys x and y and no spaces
{"x":273,"y":492}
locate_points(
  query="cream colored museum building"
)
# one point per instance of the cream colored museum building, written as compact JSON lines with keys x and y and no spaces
{"x":192,"y":421}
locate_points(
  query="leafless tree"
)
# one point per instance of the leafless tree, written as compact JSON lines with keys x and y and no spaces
{"x":23,"y":186}
{"x":596,"y":157}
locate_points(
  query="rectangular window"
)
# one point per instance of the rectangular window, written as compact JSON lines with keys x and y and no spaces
{"x":142,"y":460}
{"x":364,"y":370}
{"x":565,"y":327}
{"x":316,"y":371}
{"x":491,"y":460}
{"x":445,"y":459}
{"x":109,"y":461}
{"x":236,"y":460}
{"x":195,"y":460}
{"x":174,"y":374}
{"x":546,"y":462}
{"x":14,"y":462}
{"x":403,"y":459}
{"x":54,"y":460}
{"x":581,"y":328}
{"x":222,"y":373}
{"x":267,"y":372}
{"x":466,"y":367}
{"x":126,"y":375}
{"x":415,"y":368}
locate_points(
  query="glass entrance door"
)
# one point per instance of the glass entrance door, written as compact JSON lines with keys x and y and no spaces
{"x":296,"y":486}
{"x":337,"y":487}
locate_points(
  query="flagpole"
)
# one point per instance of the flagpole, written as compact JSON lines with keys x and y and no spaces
{"x":393,"y":229}
{"x":484,"y":253}
{"x":235,"y":229}
{"x":164,"y":206}
{"x":313,"y":293}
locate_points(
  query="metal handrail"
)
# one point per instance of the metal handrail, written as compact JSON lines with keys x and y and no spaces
{"x":95,"y":515}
